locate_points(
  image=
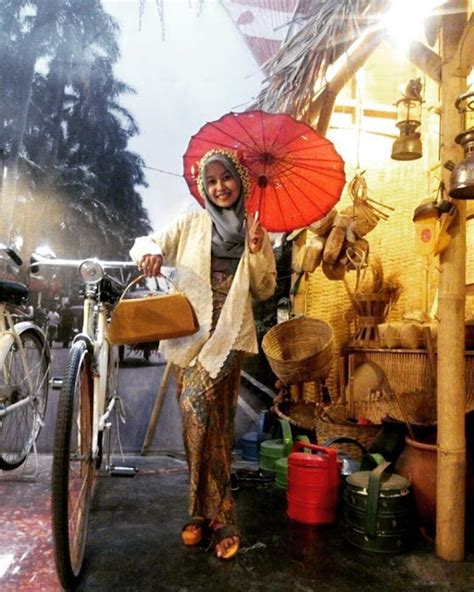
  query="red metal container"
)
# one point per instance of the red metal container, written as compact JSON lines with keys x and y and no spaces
{"x":313,"y":484}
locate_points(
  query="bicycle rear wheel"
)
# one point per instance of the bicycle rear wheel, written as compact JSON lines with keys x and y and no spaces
{"x":73,"y":470}
{"x":20,"y":427}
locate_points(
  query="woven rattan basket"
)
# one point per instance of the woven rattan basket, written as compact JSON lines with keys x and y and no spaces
{"x":299,"y":413}
{"x":299,"y":350}
{"x":332,"y":422}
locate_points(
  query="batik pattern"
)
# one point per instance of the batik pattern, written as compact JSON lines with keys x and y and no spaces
{"x":208,"y":409}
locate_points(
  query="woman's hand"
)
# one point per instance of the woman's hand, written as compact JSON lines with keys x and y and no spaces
{"x":254,"y":234}
{"x":150,"y":265}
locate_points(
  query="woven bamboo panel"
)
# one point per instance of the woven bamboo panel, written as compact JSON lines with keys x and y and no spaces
{"x":401,"y":185}
{"x":408,"y":370}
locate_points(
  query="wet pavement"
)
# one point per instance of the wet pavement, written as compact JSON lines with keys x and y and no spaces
{"x":134,"y":535}
{"x":134,"y":543}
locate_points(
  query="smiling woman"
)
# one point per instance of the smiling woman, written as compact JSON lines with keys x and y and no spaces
{"x":222,"y":187}
{"x":241,"y":263}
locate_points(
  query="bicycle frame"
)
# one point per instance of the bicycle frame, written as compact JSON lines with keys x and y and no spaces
{"x":94,"y":333}
{"x":10,"y":334}
{"x":25,"y":362}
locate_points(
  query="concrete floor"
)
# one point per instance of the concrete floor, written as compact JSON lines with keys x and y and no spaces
{"x":134,"y":536}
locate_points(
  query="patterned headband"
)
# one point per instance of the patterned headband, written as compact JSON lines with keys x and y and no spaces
{"x":233,"y":157}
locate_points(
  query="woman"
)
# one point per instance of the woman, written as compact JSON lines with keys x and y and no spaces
{"x":222,"y":259}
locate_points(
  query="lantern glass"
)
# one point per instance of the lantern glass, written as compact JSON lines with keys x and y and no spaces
{"x":468,"y":107}
{"x":408,"y":114}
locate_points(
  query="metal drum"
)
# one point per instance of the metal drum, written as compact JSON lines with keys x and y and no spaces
{"x":378,"y":511}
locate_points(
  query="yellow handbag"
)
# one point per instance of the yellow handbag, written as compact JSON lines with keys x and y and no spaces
{"x":151,"y":318}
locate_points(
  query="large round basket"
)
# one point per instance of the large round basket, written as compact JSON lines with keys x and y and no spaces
{"x":299,"y":350}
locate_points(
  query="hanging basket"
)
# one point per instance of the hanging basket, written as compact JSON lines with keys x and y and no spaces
{"x":299,"y":350}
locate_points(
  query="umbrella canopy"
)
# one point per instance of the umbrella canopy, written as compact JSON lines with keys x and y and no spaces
{"x":296,"y":174}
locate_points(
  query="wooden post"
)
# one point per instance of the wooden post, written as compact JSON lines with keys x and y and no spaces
{"x":451,"y":466}
{"x":155,"y":414}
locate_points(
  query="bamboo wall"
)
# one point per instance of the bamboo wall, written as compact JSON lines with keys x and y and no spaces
{"x":400,"y":184}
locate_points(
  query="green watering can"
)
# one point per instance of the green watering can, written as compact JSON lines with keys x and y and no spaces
{"x":281,"y":466}
{"x":272,"y":450}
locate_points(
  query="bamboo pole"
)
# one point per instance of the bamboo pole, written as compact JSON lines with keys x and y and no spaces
{"x":427,"y":60}
{"x":451,"y":465}
{"x":464,"y":54}
{"x":155,"y":414}
{"x":345,"y":67}
{"x":326,"y":111}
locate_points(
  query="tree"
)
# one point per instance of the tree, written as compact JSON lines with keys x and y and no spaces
{"x":71,"y":179}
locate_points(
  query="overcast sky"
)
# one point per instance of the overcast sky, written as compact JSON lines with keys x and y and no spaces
{"x":201,"y":70}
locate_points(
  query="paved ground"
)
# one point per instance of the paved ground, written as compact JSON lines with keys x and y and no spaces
{"x":134,"y":543}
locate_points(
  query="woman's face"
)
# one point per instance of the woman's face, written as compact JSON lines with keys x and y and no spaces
{"x":223,"y":189}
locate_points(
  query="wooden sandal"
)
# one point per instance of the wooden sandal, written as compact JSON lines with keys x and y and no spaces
{"x":226,"y":532}
{"x":193,"y":537}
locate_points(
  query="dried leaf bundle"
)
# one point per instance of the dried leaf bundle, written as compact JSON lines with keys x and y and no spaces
{"x":295,"y":70}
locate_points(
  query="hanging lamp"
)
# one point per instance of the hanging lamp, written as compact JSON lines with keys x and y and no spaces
{"x":408,"y":145}
{"x":462,"y":175}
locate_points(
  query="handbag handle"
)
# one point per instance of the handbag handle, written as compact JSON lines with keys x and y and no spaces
{"x":142,"y":277}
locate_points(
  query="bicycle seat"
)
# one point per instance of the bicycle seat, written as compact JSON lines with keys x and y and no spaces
{"x":13,"y":292}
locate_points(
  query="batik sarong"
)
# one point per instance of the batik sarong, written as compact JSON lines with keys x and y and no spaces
{"x":208,"y":409}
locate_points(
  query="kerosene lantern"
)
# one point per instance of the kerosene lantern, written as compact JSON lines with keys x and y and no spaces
{"x":408,"y":145}
{"x":462,"y":175}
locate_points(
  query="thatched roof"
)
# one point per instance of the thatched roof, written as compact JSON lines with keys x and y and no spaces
{"x":338,"y":33}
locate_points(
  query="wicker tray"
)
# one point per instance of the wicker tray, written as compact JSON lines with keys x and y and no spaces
{"x":299,"y":413}
{"x":419,"y":407}
{"x":299,"y":350}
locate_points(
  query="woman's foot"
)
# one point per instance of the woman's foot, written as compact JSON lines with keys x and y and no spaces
{"x":193,"y":531}
{"x":225,"y":539}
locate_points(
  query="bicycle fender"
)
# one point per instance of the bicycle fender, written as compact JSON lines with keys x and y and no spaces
{"x":87,"y":340}
{"x":8,"y":339}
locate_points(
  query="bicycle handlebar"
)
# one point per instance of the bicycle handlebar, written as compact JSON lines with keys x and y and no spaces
{"x":37,"y":260}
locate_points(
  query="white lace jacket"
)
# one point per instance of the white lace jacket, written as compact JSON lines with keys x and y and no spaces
{"x":187,"y":246}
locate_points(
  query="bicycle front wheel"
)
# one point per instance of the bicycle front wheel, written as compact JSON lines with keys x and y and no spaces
{"x":73,"y":469}
{"x":23,"y":397}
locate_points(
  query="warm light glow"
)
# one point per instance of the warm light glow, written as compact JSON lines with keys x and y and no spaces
{"x":470,"y":79}
{"x":45,"y":251}
{"x":5,"y":562}
{"x":405,"y":19}
{"x":18,"y":242}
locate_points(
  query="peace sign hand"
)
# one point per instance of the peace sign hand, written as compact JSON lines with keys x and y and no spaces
{"x":254,"y":233}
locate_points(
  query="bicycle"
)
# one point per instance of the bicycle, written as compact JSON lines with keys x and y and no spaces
{"x":88,"y":398}
{"x":25,"y":363}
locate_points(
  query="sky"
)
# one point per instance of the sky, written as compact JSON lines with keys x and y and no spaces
{"x":199,"y":71}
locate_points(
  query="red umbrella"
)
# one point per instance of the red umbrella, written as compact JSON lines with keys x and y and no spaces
{"x":296,"y":174}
